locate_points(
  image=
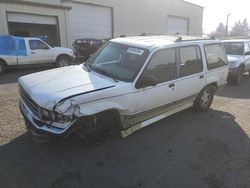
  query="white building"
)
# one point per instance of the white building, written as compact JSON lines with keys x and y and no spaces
{"x":63,"y":21}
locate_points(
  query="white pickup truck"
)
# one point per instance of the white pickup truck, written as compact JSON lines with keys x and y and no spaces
{"x":19,"y":51}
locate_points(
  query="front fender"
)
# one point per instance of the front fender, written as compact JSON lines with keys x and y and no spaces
{"x":70,"y":107}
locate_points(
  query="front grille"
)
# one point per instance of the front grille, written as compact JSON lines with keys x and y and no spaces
{"x":29,"y":101}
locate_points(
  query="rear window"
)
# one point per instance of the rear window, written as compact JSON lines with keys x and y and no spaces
{"x":215,"y":56}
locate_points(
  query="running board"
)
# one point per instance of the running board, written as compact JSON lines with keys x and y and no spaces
{"x":143,"y":124}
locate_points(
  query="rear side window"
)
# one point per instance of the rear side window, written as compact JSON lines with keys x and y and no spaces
{"x":215,"y":56}
{"x":191,"y":62}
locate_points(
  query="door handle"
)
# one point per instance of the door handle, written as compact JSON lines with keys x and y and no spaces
{"x":201,"y":76}
{"x":171,"y":85}
{"x":33,"y":52}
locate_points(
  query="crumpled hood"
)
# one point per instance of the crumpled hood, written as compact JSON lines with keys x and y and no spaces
{"x":47,"y":88}
{"x":234,"y":58}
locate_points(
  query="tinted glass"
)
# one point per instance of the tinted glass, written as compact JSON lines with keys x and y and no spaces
{"x":191,"y":62}
{"x":215,"y":56}
{"x":119,"y":61}
{"x":234,"y":48}
{"x":162,"y":65}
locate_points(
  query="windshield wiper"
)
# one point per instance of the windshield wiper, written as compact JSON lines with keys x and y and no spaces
{"x":88,"y":67}
{"x":105,"y":73}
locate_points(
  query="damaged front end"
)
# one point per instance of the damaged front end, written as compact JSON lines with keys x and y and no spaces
{"x":44,"y":123}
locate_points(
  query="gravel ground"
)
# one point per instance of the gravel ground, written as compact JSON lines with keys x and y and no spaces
{"x":188,"y":149}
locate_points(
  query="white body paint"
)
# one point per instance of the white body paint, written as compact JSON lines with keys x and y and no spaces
{"x":74,"y":90}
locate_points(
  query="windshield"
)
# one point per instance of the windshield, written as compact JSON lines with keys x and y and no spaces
{"x":118,"y":61}
{"x":234,"y":48}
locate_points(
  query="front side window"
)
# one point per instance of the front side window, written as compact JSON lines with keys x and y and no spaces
{"x":37,"y":45}
{"x":162,"y":66}
{"x":118,"y":61}
{"x":234,"y":48}
{"x":215,"y":56}
{"x":191,"y":62}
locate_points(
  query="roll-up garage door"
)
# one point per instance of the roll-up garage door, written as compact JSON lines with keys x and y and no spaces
{"x":33,"y":25}
{"x":90,"y":21}
{"x":177,"y":25}
{"x":31,"y":18}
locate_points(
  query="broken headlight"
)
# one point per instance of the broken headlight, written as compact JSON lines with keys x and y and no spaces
{"x":49,"y":116}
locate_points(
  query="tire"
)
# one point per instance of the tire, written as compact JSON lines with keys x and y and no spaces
{"x":98,"y":127}
{"x":238,"y":77}
{"x":63,"y":61}
{"x":204,"y":99}
{"x":3,"y":67}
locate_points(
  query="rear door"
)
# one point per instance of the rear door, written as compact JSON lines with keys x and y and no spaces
{"x":39,"y":52}
{"x":191,"y":78}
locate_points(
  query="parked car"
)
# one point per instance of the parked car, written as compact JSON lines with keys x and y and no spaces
{"x":238,"y":54}
{"x":130,"y":82}
{"x":19,"y":51}
{"x":84,"y":48}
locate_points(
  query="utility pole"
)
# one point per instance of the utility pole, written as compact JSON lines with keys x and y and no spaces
{"x":226,"y":34}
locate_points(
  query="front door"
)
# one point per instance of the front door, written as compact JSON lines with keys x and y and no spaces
{"x":162,"y":68}
{"x":40,"y":52}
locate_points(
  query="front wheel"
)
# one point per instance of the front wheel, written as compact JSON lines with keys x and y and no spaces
{"x":63,"y":61}
{"x":204,"y":99}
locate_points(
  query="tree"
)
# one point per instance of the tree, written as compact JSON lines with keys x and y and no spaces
{"x":220,"y":31}
{"x":240,"y":28}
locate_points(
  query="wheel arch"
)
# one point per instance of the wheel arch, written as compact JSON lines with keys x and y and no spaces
{"x":4,"y":61}
{"x":4,"y":66}
{"x":60,"y":55}
{"x":212,"y":84}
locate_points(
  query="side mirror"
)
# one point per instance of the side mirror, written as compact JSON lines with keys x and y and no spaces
{"x":247,"y":53}
{"x":146,"y":81}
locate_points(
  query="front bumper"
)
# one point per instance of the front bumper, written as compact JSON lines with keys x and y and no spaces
{"x":40,"y":129}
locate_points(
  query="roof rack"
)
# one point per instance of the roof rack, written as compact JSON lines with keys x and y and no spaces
{"x":237,"y":37}
{"x":176,"y":37}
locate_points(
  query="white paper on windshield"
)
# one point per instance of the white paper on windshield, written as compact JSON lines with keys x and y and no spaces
{"x":135,"y":51}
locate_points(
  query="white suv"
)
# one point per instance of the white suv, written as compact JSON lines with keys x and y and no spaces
{"x":129,"y":82}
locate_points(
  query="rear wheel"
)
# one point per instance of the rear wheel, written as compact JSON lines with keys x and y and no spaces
{"x":2,"y":67}
{"x":63,"y":61}
{"x":204,"y":99}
